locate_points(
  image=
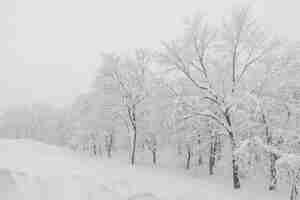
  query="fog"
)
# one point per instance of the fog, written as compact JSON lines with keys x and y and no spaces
{"x":50,"y":49}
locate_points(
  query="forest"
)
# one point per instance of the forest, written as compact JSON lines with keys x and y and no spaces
{"x":216,"y":97}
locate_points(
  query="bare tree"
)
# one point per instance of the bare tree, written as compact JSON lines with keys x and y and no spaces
{"x":128,"y":81}
{"x":217,"y":64}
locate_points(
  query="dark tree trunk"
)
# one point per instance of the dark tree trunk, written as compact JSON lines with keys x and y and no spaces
{"x":273,"y":157}
{"x":154,"y":157}
{"x":188,"y":158}
{"x":133,"y":147}
{"x":94,"y":149}
{"x":132,"y":117}
{"x":235,"y":167}
{"x":235,"y":173}
{"x":211,"y":159}
{"x":218,"y":148}
{"x":199,"y":151}
{"x":200,"y":161}
{"x":109,"y":152}
{"x":109,"y":145}
{"x":273,"y":172}
{"x":294,"y":191}
{"x":212,"y":155}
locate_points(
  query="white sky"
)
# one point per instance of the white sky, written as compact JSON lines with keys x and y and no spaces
{"x":49,"y":50}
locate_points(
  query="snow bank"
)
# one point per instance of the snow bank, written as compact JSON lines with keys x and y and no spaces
{"x":34,"y":171}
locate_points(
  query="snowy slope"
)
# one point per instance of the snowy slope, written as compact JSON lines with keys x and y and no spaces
{"x":32,"y":170}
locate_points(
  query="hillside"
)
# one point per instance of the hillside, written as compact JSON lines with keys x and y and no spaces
{"x":32,"y":170}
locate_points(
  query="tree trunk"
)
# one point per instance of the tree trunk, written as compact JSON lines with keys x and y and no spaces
{"x":132,"y":117}
{"x":235,"y":167}
{"x":200,"y":161}
{"x":294,"y":191}
{"x":109,"y":145}
{"x":273,"y":157}
{"x":273,"y":172}
{"x":188,"y":159}
{"x":94,"y":149}
{"x":199,"y":151}
{"x":211,"y":159}
{"x":133,"y":147}
{"x":218,"y":148}
{"x":109,"y":151}
{"x":235,"y":171}
{"x":212,"y":155}
{"x":154,"y":157}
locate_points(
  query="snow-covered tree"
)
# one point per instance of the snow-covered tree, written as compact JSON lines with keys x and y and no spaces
{"x":126,"y":79}
{"x":39,"y":121}
{"x":217,"y":63}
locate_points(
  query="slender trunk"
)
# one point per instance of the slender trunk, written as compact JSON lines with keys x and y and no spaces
{"x":133,"y":146}
{"x":294,"y":191}
{"x":132,"y":118}
{"x":212,"y":157}
{"x":109,"y":145}
{"x":94,"y":149}
{"x":200,"y":159}
{"x":109,"y":151}
{"x":235,"y":167}
{"x":154,"y":157}
{"x":188,"y":159}
{"x":199,"y":151}
{"x":273,"y":157}
{"x":273,"y":171}
{"x":218,"y":148}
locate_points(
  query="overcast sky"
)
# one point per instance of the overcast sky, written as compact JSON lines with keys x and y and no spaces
{"x":49,"y":49}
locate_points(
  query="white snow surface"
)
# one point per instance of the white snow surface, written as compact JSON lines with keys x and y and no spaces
{"x":30,"y":170}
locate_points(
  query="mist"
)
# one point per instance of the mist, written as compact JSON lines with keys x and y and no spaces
{"x":50,"y":49}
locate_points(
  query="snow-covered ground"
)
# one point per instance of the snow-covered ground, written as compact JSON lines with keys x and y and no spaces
{"x":32,"y":170}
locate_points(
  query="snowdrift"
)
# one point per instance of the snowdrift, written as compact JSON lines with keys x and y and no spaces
{"x":30,"y":170}
{"x":33,"y":171}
